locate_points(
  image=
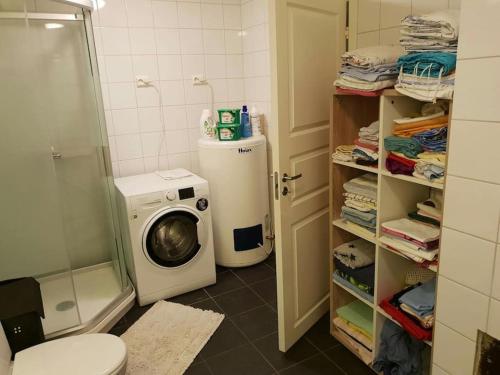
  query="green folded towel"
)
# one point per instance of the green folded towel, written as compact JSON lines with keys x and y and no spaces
{"x":407,"y":146}
{"x":359,"y":314}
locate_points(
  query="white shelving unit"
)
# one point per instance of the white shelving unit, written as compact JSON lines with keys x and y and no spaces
{"x":397,"y":196}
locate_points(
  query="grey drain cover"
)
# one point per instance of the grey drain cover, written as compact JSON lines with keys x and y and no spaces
{"x":65,"y":305}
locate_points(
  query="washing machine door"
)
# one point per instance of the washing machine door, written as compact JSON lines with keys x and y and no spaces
{"x":173,"y":238}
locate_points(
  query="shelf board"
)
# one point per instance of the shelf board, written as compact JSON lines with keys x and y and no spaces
{"x":431,"y":267}
{"x":346,"y":343}
{"x":353,"y":293}
{"x":412,"y":179}
{"x":351,"y":164}
{"x":341,"y":223}
{"x":387,"y":316}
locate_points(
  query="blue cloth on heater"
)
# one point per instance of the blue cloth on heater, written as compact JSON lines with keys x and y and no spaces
{"x":433,"y":139}
{"x":428,"y":63}
{"x":421,"y":299}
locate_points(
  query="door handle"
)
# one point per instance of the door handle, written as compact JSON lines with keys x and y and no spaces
{"x":286,"y":177}
{"x":56,"y":155}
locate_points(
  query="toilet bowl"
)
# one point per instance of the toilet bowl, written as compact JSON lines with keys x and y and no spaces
{"x":87,"y":354}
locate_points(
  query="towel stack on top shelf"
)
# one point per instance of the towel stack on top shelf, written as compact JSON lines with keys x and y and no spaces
{"x":427,"y":72}
{"x":355,"y":267}
{"x":413,"y":308}
{"x":418,"y":144}
{"x":367,"y":71}
{"x":360,"y":205}
{"x":354,"y":324}
{"x":364,"y":151}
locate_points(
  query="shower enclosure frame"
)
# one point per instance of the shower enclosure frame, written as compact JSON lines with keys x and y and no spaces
{"x":115,"y":310}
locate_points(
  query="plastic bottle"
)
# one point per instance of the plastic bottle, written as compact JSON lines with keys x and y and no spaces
{"x":245,"y":123}
{"x":207,"y":125}
{"x":255,"y":121}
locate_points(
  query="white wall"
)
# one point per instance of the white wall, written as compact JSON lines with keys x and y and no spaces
{"x":169,"y":41}
{"x":469,"y":282}
{"x":375,"y":22}
{"x":4,"y":353}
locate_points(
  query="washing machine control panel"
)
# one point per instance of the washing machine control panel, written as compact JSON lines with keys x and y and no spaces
{"x":171,"y":196}
{"x":186,"y":193}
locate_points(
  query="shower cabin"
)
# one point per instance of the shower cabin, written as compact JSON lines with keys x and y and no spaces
{"x":59,"y":219}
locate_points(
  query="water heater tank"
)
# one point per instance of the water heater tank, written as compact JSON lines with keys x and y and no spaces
{"x":237,"y":175}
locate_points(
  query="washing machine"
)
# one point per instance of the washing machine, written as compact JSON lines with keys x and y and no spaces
{"x":166,"y":233}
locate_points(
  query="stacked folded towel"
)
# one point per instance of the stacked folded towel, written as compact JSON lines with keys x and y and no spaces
{"x":418,"y":144}
{"x":355,"y":267}
{"x":413,"y":239}
{"x":366,"y":145}
{"x":354,"y":322}
{"x":430,"y":210}
{"x":436,"y":31}
{"x":343,"y":153}
{"x":360,"y":202}
{"x":427,"y":72}
{"x":367,"y":71}
{"x":413,"y":308}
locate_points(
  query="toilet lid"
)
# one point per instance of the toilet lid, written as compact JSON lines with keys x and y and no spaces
{"x":87,"y":354}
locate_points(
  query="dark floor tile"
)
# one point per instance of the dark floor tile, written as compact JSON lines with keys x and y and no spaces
{"x":271,"y":261}
{"x":318,"y":364}
{"x":238,"y":301}
{"x":135,"y":313}
{"x":244,"y":360}
{"x":257,"y":323}
{"x":254,"y":273}
{"x":190,"y":297}
{"x":226,"y":282}
{"x":219,"y":269}
{"x":319,"y":334}
{"x":208,"y":304}
{"x":268,"y":346}
{"x":348,"y":361}
{"x":266,"y":290}
{"x":119,"y":328}
{"x":226,"y":337}
{"x":199,"y":368}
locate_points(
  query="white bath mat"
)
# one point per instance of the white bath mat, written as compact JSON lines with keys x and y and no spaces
{"x":167,"y":338}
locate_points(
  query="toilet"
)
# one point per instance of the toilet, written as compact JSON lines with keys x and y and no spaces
{"x":87,"y":354}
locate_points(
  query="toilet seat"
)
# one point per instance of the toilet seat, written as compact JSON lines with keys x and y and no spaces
{"x":87,"y":354}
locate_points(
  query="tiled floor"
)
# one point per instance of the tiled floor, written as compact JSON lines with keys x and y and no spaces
{"x":247,"y":340}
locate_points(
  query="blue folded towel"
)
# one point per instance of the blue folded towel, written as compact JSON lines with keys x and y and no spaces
{"x":421,"y":299}
{"x":428,"y":63}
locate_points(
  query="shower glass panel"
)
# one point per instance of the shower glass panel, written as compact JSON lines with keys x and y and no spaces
{"x":57,"y":221}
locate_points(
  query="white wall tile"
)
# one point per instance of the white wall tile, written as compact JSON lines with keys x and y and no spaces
{"x":368,"y":15}
{"x":128,"y":146}
{"x":194,"y":135}
{"x":232,"y":17}
{"x":213,"y":41}
{"x":192,"y":64}
{"x":189,"y":15}
{"x":455,"y":260}
{"x":390,"y":36}
{"x":472,"y":207}
{"x":151,"y":144}
{"x":427,"y":6}
{"x":149,"y":119}
{"x":234,"y":66}
{"x":165,"y":14}
{"x":234,"y":42}
{"x":167,"y":41}
{"x":119,"y":68}
{"x":477,"y":89}
{"x":125,"y":121}
{"x":155,"y":163}
{"x":148,"y":96}
{"x":131,"y":167}
{"x":461,"y":308}
{"x":195,"y":94}
{"x":181,"y":160}
{"x":105,"y":95}
{"x":371,"y":38}
{"x":494,"y":319}
{"x":114,"y":14}
{"x":145,"y":65}
{"x":112,"y":148}
{"x":256,"y":39}
{"x":195,"y":162}
{"x":495,"y":289}
{"x":456,"y":361}
{"x":393,"y":11}
{"x":171,"y":92}
{"x":115,"y":41}
{"x":109,"y":122}
{"x":212,"y":16}
{"x":177,"y":141}
{"x":170,"y":67}
{"x":475,"y":135}
{"x":215,"y":66}
{"x":236,"y":89}
{"x":191,"y":41}
{"x":142,"y":41}
{"x":139,"y":13}
{"x":175,"y":117}
{"x":194,"y":114}
{"x":219,"y":89}
{"x":122,"y":95}
{"x":479,"y":29}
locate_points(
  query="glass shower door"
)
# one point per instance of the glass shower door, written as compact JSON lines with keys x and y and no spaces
{"x":57,"y":223}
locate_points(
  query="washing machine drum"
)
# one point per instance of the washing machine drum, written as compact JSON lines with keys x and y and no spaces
{"x":172,"y":239}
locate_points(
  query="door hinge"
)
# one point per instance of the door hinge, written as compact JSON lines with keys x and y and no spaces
{"x":346,"y":32}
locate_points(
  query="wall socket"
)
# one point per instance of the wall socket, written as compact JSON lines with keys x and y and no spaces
{"x":142,"y":80}
{"x":199,"y":79}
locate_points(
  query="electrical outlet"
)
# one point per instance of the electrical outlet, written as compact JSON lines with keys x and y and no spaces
{"x":142,"y":80}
